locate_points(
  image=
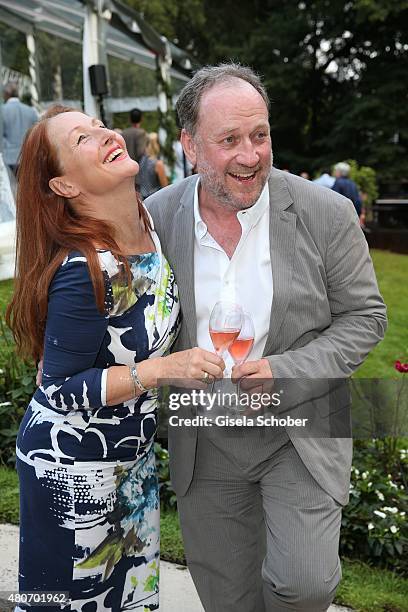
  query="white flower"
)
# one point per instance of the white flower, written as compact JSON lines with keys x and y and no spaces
{"x":380,"y":495}
{"x":380,"y":514}
{"x":402,"y":513}
{"x":356,"y":471}
{"x":393,"y":485}
{"x":369,"y":484}
{"x":393,"y":529}
{"x":392,"y":510}
{"x":370,"y":526}
{"x":5,"y":404}
{"x":364,"y":475}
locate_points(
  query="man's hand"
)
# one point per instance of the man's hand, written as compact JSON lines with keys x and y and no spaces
{"x":249,"y":373}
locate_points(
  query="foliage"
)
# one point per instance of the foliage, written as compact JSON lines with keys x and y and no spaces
{"x":17,"y":384}
{"x":374,"y":525}
{"x":365,"y":178}
{"x":336,"y":72}
{"x":171,"y":542}
{"x":167,"y":495}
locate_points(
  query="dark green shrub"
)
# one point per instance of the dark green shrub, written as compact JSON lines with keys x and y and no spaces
{"x":374,"y":525}
{"x":167,"y":496}
{"x":17,"y":385}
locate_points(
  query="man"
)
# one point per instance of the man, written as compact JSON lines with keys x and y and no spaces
{"x":135,"y":135}
{"x":260,"y":512}
{"x":344,"y":185}
{"x":17,"y":119}
{"x":325,"y":179}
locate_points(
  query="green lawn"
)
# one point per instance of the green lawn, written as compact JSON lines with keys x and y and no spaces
{"x":392,"y":275}
{"x":362,"y":588}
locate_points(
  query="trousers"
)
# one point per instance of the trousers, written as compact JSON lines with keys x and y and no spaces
{"x":260,"y":534}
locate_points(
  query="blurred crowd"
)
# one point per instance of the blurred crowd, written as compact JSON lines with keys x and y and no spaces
{"x":144,"y":147}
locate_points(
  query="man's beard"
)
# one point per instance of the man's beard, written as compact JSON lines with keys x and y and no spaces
{"x":211,"y":183}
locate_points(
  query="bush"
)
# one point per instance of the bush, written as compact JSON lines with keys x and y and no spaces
{"x":365,"y":178}
{"x":168,"y":499}
{"x":17,"y":385}
{"x":374,"y":526}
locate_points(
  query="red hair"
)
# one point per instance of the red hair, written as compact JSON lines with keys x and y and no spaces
{"x":48,"y":228}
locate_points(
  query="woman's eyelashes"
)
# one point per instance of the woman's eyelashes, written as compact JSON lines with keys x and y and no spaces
{"x":82,"y":137}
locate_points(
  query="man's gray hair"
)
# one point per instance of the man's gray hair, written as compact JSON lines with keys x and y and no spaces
{"x":343,"y":168}
{"x":188,"y":103}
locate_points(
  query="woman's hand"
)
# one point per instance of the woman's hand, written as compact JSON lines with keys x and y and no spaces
{"x":195,"y":363}
{"x":192,"y":364}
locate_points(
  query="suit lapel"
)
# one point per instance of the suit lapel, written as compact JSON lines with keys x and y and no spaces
{"x":282,"y":236}
{"x":182,"y":258}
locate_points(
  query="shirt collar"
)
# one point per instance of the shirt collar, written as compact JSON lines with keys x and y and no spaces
{"x":248,"y":218}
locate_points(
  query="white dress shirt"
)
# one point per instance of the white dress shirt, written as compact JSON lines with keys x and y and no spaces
{"x":245,"y":279}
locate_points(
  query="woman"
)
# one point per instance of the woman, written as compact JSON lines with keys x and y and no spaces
{"x":95,"y":296}
{"x":152,"y":173}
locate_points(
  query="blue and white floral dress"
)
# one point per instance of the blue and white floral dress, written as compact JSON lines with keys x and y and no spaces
{"x":89,"y":515}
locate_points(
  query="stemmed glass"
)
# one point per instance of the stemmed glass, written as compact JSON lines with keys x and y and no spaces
{"x":240,"y":348}
{"x":224,"y":326}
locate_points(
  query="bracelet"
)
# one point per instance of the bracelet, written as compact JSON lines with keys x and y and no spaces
{"x":137,"y":384}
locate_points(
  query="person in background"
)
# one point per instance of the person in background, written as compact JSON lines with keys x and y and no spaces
{"x":131,"y":134}
{"x":17,"y":119}
{"x":305,"y":175}
{"x":346,"y":186}
{"x":97,"y":299}
{"x":325,"y":179}
{"x":152,"y":175}
{"x":182,"y":166}
{"x":153,"y":153}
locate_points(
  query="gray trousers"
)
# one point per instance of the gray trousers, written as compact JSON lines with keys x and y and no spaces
{"x":260,"y":534}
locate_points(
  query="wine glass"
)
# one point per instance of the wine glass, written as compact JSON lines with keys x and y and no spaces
{"x":224,"y":326}
{"x":240,"y":348}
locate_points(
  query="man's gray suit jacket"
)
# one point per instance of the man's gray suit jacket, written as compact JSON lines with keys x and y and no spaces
{"x":327,"y":312}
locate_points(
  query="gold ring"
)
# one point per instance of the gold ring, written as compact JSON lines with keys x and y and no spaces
{"x":205,"y":377}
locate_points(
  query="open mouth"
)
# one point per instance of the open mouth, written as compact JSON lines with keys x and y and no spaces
{"x":243,"y":177}
{"x":114,"y":155}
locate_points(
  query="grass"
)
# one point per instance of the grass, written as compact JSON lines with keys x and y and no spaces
{"x":171,"y":542}
{"x":371,"y":590}
{"x":363,"y":588}
{"x":391,"y":270}
{"x":6,"y":288}
{"x":9,"y":508}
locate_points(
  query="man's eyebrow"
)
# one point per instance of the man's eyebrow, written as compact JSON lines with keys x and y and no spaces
{"x":226,"y":131}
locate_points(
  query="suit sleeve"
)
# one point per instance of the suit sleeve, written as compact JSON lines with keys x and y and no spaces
{"x":358,"y":312}
{"x":74,"y":333}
